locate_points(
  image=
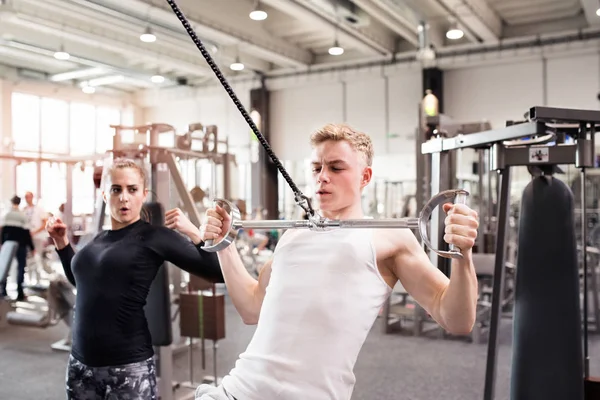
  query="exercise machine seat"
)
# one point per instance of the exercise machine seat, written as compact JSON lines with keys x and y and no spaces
{"x":32,"y":319}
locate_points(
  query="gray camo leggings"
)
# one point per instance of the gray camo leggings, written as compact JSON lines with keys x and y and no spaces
{"x":136,"y":381}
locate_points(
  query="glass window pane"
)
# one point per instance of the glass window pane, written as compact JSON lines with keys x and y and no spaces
{"x":127,"y":117}
{"x":25,"y":122}
{"x":26,"y":177}
{"x":84,"y":191}
{"x":53,"y":185}
{"x":55,"y":126}
{"x":104,"y":133}
{"x":83,"y":129}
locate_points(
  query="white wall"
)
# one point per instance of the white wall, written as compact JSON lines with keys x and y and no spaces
{"x":382,"y":101}
{"x":385,"y":107}
{"x":500,"y":92}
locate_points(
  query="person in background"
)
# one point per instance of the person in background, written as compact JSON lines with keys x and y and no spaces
{"x":36,"y":221}
{"x":15,"y":229}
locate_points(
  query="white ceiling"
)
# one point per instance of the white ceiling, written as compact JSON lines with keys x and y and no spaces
{"x":102,"y":36}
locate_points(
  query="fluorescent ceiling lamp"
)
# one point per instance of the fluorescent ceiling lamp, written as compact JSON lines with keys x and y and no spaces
{"x":77,"y":74}
{"x":258,"y":15}
{"x":88,"y":89}
{"x":148,"y":36}
{"x":336,"y":50}
{"x":157,"y":79}
{"x":237,"y":66}
{"x":106,"y":80}
{"x":598,"y":12}
{"x":61,"y":55}
{"x":454,"y":33}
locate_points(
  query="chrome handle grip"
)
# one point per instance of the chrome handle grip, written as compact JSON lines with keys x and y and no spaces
{"x":232,"y":229}
{"x":447,"y":196}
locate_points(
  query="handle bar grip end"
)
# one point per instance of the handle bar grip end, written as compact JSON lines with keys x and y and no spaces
{"x":210,"y":245}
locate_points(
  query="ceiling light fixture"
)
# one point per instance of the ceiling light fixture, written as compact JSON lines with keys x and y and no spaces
{"x":157,"y":78}
{"x":336,"y":49}
{"x":237,"y":65}
{"x":454,"y":33}
{"x":61,"y":54}
{"x":88,"y":89}
{"x":258,"y":14}
{"x":148,"y":36}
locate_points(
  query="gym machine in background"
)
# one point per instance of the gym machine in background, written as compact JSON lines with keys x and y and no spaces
{"x":435,"y":174}
{"x":162,"y":153}
{"x":547,"y":328}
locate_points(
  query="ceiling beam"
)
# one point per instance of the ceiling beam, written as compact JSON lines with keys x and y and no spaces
{"x":589,"y":9}
{"x":311,"y":12}
{"x":477,"y":16}
{"x":96,"y":68}
{"x":206,"y":24}
{"x":535,"y":28}
{"x":400,"y":24}
{"x":126,"y":49}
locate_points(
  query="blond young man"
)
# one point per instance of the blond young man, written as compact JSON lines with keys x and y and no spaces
{"x":316,"y":300}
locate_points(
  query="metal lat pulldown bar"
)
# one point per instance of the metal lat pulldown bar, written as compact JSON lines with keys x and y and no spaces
{"x":459,"y":196}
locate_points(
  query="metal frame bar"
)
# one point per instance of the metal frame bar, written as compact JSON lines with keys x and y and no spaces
{"x":498,"y":284}
{"x":562,"y":115}
{"x":485,"y":138}
{"x":501,"y":157}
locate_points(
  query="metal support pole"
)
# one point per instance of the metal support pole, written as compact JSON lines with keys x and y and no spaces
{"x":434,"y":233}
{"x":498,"y":286}
{"x":483,"y":171}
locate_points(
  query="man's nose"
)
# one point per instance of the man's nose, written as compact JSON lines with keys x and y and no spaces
{"x":323,"y":175}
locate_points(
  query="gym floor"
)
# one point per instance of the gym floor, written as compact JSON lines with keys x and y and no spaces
{"x":394,"y":367}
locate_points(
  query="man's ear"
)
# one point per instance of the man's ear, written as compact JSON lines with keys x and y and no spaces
{"x":366,"y":176}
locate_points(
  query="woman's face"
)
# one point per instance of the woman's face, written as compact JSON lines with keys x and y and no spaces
{"x":126,"y":196}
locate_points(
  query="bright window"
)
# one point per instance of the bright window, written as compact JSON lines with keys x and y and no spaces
{"x":82,"y":129}
{"x":26,"y":122}
{"x":26,"y":177}
{"x":105,"y":117}
{"x":53,"y":185}
{"x":83,"y":191}
{"x":55,"y":126}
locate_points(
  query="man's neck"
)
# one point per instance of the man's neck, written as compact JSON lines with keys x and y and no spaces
{"x":352,"y":212}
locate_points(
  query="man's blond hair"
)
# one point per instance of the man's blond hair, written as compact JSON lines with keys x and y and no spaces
{"x":359,"y":141}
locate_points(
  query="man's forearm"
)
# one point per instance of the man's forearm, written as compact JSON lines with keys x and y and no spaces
{"x":241,"y":286}
{"x":458,"y":303}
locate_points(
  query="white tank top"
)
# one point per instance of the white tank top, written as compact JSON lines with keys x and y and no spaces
{"x":323,"y":297}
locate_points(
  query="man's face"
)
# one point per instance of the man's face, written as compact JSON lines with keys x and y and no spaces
{"x":29,"y":198}
{"x":340,"y":173}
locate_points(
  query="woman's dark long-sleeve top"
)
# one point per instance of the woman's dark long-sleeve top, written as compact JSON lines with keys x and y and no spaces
{"x":113,"y":274}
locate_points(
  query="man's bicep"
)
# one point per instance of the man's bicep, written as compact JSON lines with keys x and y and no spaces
{"x":420,"y":278}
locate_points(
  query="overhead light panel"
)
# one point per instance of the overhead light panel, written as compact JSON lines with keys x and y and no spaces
{"x":336,"y":49}
{"x":62,"y":54}
{"x":157,"y":78}
{"x":598,"y":12}
{"x":258,"y":14}
{"x":148,"y":36}
{"x":106,"y":80}
{"x":454,"y":33}
{"x":237,"y":66}
{"x":88,"y":89}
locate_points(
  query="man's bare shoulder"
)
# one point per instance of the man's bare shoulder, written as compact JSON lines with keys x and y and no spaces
{"x":389,"y":242}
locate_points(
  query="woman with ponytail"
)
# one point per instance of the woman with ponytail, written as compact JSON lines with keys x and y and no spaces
{"x":112,"y":354}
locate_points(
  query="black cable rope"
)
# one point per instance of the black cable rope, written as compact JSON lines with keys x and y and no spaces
{"x":300,"y":198}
